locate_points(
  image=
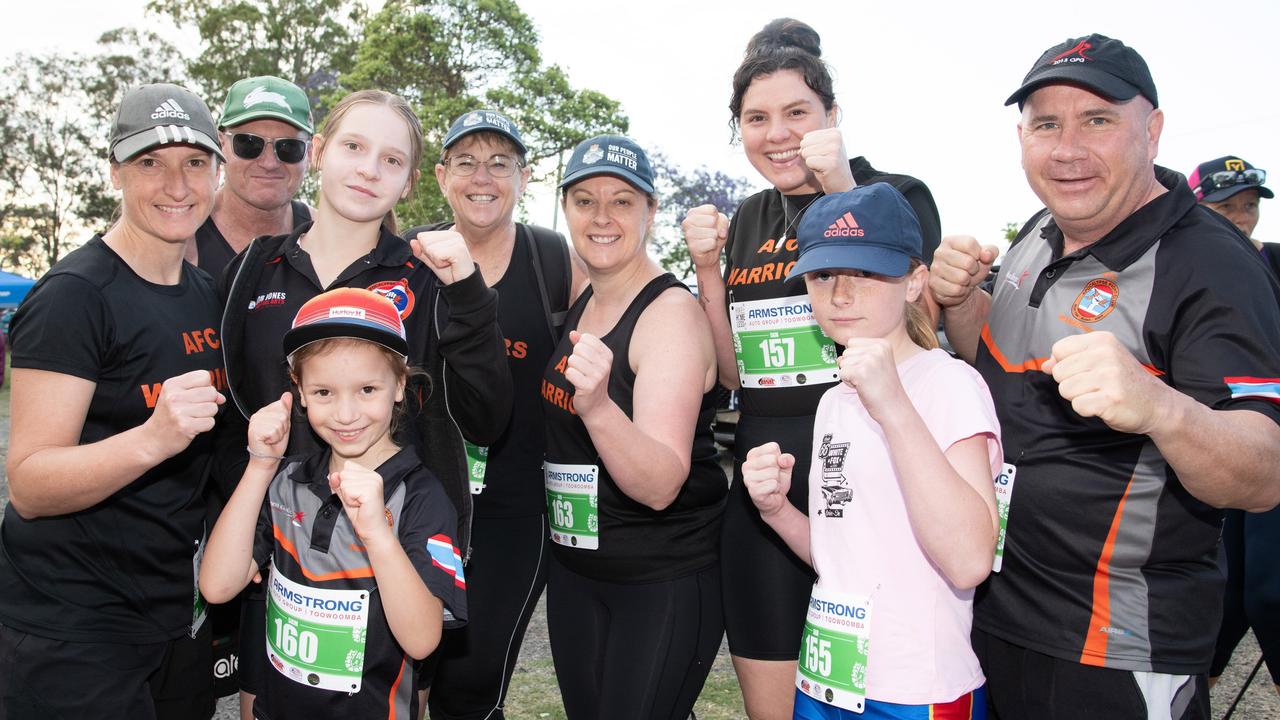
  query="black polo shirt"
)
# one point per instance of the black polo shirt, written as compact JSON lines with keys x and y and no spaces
{"x":1109,"y":561}
{"x":306,"y":535}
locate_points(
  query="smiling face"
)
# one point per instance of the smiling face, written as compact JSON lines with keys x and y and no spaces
{"x":167,"y":192}
{"x":480,"y":201}
{"x":854,"y":303}
{"x":263,"y":182}
{"x":365,"y":162}
{"x":1088,"y":159}
{"x":349,"y":389}
{"x":777,"y":110}
{"x":608,"y":219}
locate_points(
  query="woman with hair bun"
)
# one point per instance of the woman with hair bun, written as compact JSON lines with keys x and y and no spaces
{"x":783,"y":106}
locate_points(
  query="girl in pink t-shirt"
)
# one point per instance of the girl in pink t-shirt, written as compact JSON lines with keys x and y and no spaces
{"x":902,"y":523}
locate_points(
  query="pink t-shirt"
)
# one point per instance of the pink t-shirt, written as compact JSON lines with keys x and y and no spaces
{"x":862,"y":543}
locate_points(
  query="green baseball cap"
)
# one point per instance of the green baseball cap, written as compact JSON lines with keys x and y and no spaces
{"x":267,"y":97}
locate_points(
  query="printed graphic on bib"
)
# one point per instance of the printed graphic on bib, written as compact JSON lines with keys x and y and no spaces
{"x":835,"y":486}
{"x":572,"y":497}
{"x":316,"y":637}
{"x":779,"y":344}
{"x":1004,"y":494}
{"x":834,"y":649}
{"x":477,"y":461}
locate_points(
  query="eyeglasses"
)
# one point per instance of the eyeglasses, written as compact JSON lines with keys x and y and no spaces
{"x":248,"y":146}
{"x":1228,"y":178}
{"x":499,"y":166}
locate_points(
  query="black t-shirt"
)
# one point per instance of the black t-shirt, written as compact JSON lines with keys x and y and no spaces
{"x":120,"y":571}
{"x":761,"y":249}
{"x":513,"y":479}
{"x":213,"y":251}
{"x":637,"y":543}
{"x":306,"y":535}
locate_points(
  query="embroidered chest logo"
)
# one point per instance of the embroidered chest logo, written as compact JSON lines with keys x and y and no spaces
{"x":1016,"y":279}
{"x":1096,"y":300}
{"x":835,"y":486}
{"x":398,"y":292}
{"x":298,"y":517}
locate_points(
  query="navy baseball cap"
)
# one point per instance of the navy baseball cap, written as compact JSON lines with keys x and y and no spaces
{"x":484,"y":121}
{"x":870,"y":228}
{"x":609,"y":155}
{"x":1219,"y":179}
{"x":1105,"y":66}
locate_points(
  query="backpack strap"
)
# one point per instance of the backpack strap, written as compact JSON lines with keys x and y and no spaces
{"x":550,"y":254}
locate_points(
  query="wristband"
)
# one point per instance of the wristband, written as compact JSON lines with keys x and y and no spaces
{"x":262,"y":456}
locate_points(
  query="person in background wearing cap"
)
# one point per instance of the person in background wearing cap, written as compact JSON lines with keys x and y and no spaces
{"x":634,"y":489}
{"x":1132,"y":347}
{"x":901,"y":523}
{"x":784,"y":108}
{"x":483,"y":171}
{"x":116,"y":385}
{"x":357,"y":515}
{"x":1233,"y":188}
{"x":368,"y":152}
{"x":1250,"y":541}
{"x":265,"y":129}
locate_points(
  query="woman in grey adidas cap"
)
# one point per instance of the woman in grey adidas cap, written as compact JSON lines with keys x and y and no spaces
{"x":115,"y":386}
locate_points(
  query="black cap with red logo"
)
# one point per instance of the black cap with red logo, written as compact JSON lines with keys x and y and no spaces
{"x":1097,"y":63}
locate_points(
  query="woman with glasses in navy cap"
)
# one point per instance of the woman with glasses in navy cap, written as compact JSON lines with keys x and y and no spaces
{"x":483,"y":171}
{"x":634,"y":491}
{"x":116,"y":380}
{"x":1250,"y":541}
{"x":783,"y":106}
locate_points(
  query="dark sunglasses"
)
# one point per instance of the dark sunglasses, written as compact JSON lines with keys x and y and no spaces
{"x":1229,"y":178}
{"x":248,"y":146}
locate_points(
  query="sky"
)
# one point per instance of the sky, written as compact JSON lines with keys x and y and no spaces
{"x":921,"y":84}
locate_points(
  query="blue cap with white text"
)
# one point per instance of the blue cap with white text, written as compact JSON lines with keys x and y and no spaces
{"x":484,"y":121}
{"x":609,"y":155}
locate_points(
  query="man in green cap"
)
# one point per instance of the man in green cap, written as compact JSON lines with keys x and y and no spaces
{"x":265,"y":133}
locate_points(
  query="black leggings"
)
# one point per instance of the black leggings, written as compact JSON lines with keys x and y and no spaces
{"x":1251,"y":548}
{"x":632,"y":651}
{"x":505,"y":577}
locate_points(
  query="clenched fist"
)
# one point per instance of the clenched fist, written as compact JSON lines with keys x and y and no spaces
{"x":446,"y":253}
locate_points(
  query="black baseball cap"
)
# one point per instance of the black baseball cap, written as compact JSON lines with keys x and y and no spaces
{"x":1107,"y":67}
{"x":871,"y":228}
{"x":609,"y":155}
{"x":161,"y":114}
{"x":484,"y":121}
{"x":1219,"y":179}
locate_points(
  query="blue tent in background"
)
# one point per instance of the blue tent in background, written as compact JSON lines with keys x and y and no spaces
{"x":13,"y":288}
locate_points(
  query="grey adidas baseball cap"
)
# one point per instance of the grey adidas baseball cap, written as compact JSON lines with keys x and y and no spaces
{"x":161,"y":114}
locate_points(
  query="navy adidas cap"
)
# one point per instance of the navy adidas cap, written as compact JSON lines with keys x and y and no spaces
{"x":484,"y":121}
{"x":870,"y":228}
{"x":609,"y":155}
{"x":1101,"y":64}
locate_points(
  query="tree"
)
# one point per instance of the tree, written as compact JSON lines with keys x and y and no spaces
{"x":411,"y":48}
{"x":308,"y":42}
{"x":52,"y":159}
{"x":678,"y":192}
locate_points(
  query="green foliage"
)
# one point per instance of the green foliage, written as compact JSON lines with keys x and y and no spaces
{"x":1011,"y":231}
{"x":308,"y":42}
{"x":450,"y":56}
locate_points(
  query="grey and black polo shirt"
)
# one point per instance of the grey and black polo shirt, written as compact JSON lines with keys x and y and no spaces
{"x":306,"y":535}
{"x":1109,"y":561}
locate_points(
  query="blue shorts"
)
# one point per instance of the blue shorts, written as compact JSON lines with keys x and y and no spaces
{"x":970,"y":706}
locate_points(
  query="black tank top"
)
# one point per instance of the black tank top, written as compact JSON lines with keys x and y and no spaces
{"x":214,"y":252}
{"x":637,"y":543}
{"x":513,"y":479}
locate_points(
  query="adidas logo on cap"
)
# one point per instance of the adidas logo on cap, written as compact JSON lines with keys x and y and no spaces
{"x":170,"y":109}
{"x":844,"y":226}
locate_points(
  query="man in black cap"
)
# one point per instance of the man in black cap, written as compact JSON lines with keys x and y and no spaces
{"x":1132,"y":347}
